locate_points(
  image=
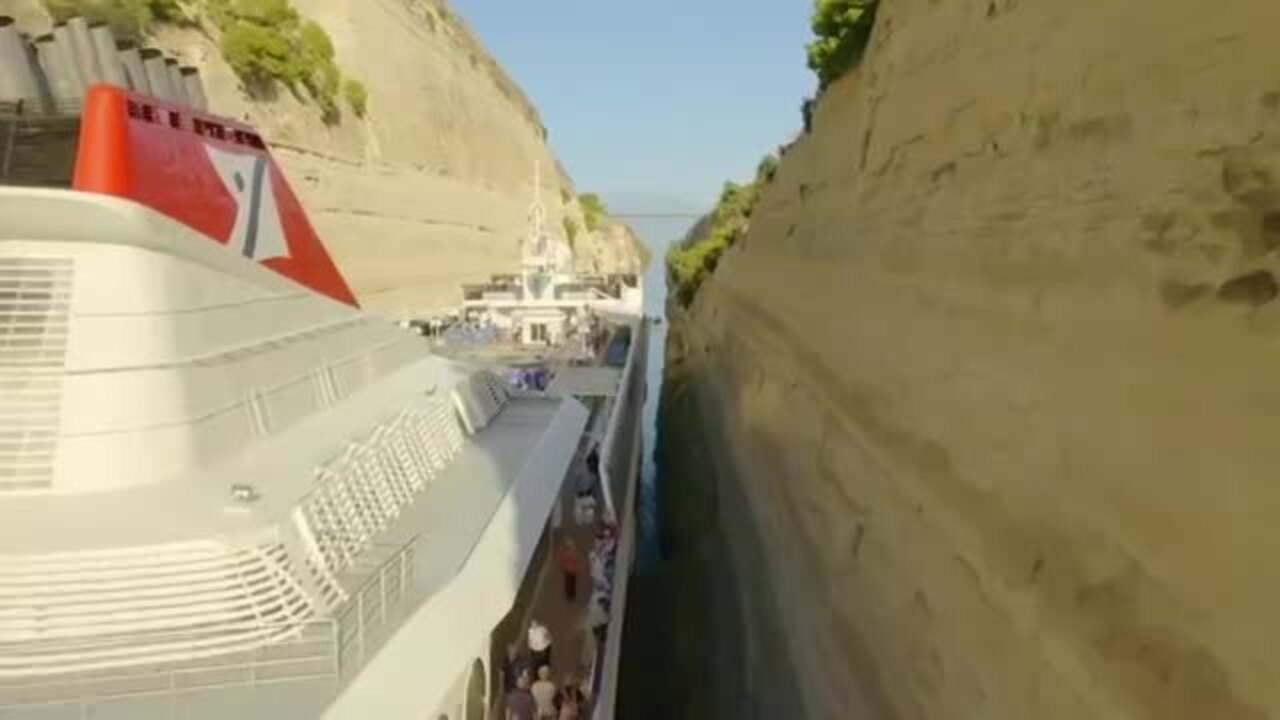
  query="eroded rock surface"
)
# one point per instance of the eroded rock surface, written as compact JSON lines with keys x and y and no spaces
{"x":994,"y":373}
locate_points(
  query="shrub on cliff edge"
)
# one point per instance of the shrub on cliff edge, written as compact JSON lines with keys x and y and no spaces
{"x":570,"y":230}
{"x":842,"y":30}
{"x":267,"y":41}
{"x":690,"y":262}
{"x":593,"y":211}
{"x":357,"y":97}
{"x":127,"y":18}
{"x":264,"y":41}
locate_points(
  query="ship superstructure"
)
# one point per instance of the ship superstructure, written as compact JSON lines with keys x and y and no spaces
{"x":228,"y":492}
{"x":546,"y":302}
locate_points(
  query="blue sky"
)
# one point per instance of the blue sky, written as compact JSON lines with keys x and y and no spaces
{"x":655,"y":103}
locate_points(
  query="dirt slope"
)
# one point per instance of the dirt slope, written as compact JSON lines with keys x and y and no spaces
{"x":991,"y":384}
{"x":432,"y":188}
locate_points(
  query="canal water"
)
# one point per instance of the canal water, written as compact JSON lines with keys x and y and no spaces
{"x":655,"y":300}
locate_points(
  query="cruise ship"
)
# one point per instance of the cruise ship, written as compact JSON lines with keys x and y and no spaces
{"x":227,"y":490}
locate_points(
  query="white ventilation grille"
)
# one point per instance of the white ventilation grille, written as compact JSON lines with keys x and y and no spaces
{"x":35,"y":308}
{"x":479,"y":399}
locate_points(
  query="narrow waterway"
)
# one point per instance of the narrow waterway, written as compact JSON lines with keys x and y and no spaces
{"x":655,"y":300}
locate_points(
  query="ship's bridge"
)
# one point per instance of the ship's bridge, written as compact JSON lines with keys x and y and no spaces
{"x":221,"y":492}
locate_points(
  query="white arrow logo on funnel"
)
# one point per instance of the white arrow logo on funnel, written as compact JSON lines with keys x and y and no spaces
{"x":258,"y":233}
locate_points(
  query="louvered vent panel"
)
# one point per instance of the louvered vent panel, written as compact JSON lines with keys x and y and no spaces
{"x":35,"y":308}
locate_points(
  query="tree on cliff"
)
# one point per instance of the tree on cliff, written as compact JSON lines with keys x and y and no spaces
{"x":593,"y":210}
{"x":127,"y":18}
{"x":692,"y":260}
{"x":843,"y":30}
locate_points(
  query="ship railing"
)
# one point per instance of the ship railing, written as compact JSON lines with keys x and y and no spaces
{"x":375,"y":606}
{"x":303,"y":650}
{"x":319,"y":649}
{"x":361,"y":492}
{"x":624,"y":417}
{"x":38,"y":142}
{"x":11,"y":109}
{"x":621,"y":466}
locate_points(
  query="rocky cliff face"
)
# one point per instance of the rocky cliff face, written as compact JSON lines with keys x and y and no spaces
{"x":431,"y":188}
{"x":989,"y":391}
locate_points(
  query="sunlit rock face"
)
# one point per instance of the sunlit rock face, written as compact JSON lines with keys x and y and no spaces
{"x":988,"y":392}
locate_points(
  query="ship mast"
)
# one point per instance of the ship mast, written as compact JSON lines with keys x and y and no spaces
{"x":537,"y":211}
{"x":536,"y":251}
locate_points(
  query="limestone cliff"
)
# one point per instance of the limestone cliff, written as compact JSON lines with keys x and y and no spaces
{"x":431,"y":188}
{"x":986,"y":393}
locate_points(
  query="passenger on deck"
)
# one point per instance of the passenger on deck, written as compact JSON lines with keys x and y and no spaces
{"x":544,"y":694}
{"x":584,"y":504}
{"x":539,"y":644}
{"x":516,"y":665}
{"x":599,"y":567}
{"x":584,"y":508}
{"x":520,"y":703}
{"x":572,"y":699}
{"x":569,"y":567}
{"x":598,"y":618}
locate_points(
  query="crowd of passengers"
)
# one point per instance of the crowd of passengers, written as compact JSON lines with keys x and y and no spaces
{"x":533,"y":692}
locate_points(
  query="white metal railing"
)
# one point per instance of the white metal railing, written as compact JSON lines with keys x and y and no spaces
{"x":29,"y":108}
{"x":367,"y":615}
{"x":320,"y":648}
{"x":297,"y":651}
{"x":622,"y":404}
{"x":360,"y":493}
{"x":100,"y":611}
{"x":608,"y":657}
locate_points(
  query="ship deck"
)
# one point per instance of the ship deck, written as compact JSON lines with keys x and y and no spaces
{"x":543,"y":598}
{"x":444,"y":526}
{"x":573,"y":651}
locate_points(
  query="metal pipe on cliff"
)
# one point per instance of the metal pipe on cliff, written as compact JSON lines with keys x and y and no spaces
{"x":195,"y":88}
{"x":42,"y":80}
{"x":131,"y":60}
{"x":176,"y":84}
{"x":104,"y":49}
{"x":157,"y":73}
{"x":81,"y":45}
{"x":64,"y":83}
{"x":64,"y":55}
{"x":18,"y":79}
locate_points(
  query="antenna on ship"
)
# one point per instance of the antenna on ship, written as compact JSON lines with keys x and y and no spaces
{"x":537,"y":212}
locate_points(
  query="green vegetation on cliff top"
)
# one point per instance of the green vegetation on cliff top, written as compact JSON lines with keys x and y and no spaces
{"x":842,"y":30}
{"x":595,"y":216}
{"x":264,"y":41}
{"x":570,"y":230}
{"x":267,"y":41}
{"x":357,"y":96}
{"x":594,"y":213}
{"x":691,"y":261}
{"x":127,"y":18}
